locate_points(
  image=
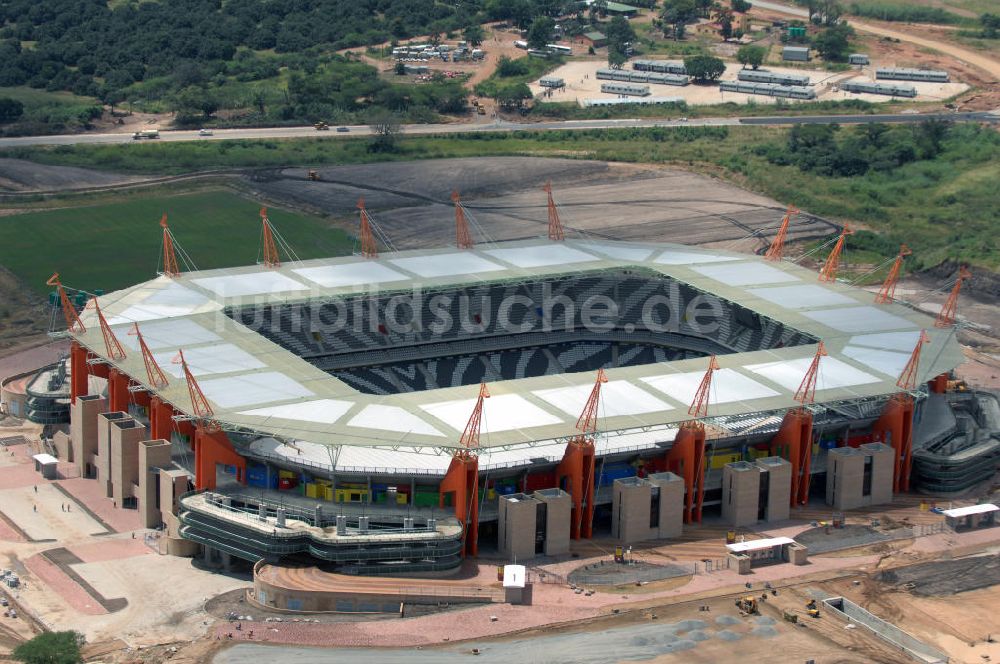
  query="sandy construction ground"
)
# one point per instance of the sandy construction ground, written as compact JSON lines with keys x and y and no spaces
{"x":582,"y":83}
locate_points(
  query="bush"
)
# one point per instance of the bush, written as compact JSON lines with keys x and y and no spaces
{"x":887,"y":11}
{"x":50,"y":648}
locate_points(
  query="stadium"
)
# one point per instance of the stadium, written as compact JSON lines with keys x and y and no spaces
{"x":394,"y":413}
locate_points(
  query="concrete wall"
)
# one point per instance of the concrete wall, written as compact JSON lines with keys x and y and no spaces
{"x":83,"y":429}
{"x":630,"y":505}
{"x":883,"y":461}
{"x":740,"y":493}
{"x":102,"y":461}
{"x":64,"y":445}
{"x":845,"y":468}
{"x":558,"y":508}
{"x":125,"y":437}
{"x":516,"y":527}
{"x":671,"y":489}
{"x":779,"y":479}
{"x":153,"y":455}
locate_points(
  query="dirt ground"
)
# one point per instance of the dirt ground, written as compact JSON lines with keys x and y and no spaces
{"x":18,"y":175}
{"x":410,"y":201}
{"x":582,"y":83}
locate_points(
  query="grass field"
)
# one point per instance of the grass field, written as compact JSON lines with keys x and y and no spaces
{"x":944,"y":208}
{"x":217,"y":228}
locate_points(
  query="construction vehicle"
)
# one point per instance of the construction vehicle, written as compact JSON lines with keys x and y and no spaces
{"x":313,"y":175}
{"x":790,"y":617}
{"x":811,"y":609}
{"x":322,"y":126}
{"x":146,"y":133}
{"x":747,"y":605}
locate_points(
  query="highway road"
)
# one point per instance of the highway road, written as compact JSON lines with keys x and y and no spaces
{"x":427,"y":129}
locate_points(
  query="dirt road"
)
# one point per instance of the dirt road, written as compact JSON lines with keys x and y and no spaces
{"x":983,"y":62}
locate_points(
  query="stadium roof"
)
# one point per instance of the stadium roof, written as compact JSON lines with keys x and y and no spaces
{"x":256,"y":385}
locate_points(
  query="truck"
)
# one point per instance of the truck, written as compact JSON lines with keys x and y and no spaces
{"x":322,"y":126}
{"x":146,"y":133}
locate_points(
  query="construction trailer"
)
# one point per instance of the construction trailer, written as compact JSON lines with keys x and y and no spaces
{"x":661,"y":66}
{"x":552,"y":82}
{"x":627,"y":89}
{"x":904,"y":74}
{"x":795,"y":53}
{"x":972,"y":517}
{"x":644,"y":101}
{"x":768,"y":89}
{"x":888,"y":89}
{"x":642,"y":77}
{"x":858,"y":59}
{"x":764,"y":76}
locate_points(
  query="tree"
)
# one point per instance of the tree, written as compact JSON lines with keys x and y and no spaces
{"x":752,"y":55}
{"x":513,"y":95}
{"x":832,"y":44}
{"x":10,"y":109}
{"x":741,"y":5}
{"x":704,"y":68}
{"x":616,"y":59}
{"x":385,"y":131}
{"x":474,"y":34}
{"x":619,"y":34}
{"x":726,"y":25}
{"x":991,"y":25}
{"x":540,"y":33}
{"x":400,"y":68}
{"x":50,"y":648}
{"x":676,"y":15}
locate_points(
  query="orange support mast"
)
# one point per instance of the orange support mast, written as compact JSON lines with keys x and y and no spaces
{"x":887,"y":293}
{"x":795,"y":435}
{"x":575,"y":472}
{"x":829,"y":271}
{"x":895,"y":425}
{"x":157,"y":379}
{"x":461,"y":483}
{"x":777,"y":248}
{"x":271,"y":258}
{"x":946,"y":318}
{"x":73,"y":322}
{"x":199,"y":404}
{"x":111,"y":343}
{"x":807,"y":388}
{"x":169,"y":255}
{"x":369,"y":248}
{"x":462,"y":237}
{"x":687,"y":456}
{"x":555,"y":225}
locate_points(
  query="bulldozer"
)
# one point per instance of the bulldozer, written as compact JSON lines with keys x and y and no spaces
{"x":747,"y":605}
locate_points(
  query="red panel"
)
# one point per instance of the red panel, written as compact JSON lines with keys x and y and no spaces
{"x":537,"y":481}
{"x":211,"y":449}
{"x":461,"y":486}
{"x":576,"y":477}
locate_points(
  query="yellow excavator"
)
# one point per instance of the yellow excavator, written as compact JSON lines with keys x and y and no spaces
{"x":747,"y":605}
{"x":811,"y":609}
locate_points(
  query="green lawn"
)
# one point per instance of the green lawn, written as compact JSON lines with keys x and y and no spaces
{"x":115,"y":245}
{"x":36,"y":97}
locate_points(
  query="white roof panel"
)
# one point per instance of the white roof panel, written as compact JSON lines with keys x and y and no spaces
{"x":444,"y":265}
{"x":832,"y":373}
{"x":756,"y":545}
{"x":171,"y":333}
{"x":541,"y":255}
{"x":802,"y":296}
{"x":501,"y":412}
{"x":859,"y":319}
{"x":247,"y":389}
{"x":618,"y":397}
{"x":222,"y":358}
{"x":499,"y":457}
{"x":971,"y":509}
{"x":674,"y":257}
{"x":887,"y":340}
{"x":353,"y":458}
{"x":392,"y":418}
{"x":888,"y":362}
{"x":352,"y":274}
{"x":746,"y":274}
{"x":167,"y":302}
{"x":623,"y":252}
{"x":254,"y":283}
{"x":513,"y":576}
{"x":728,"y":385}
{"x":321,"y":411}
